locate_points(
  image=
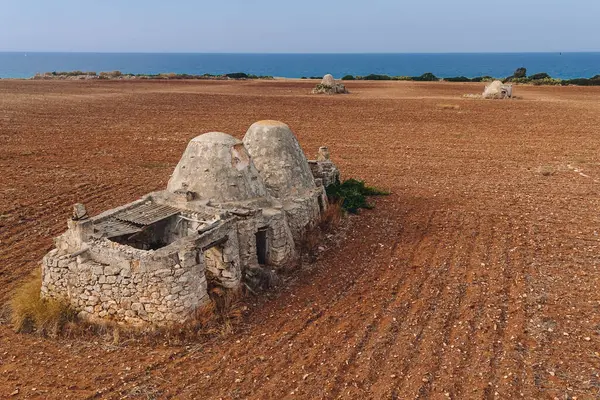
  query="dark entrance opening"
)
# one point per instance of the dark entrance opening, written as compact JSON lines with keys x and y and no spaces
{"x":261,"y":246}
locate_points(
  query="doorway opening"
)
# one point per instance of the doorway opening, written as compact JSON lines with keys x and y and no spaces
{"x":262,"y":250}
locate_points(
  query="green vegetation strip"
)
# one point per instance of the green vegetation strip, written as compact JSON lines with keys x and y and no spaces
{"x":520,"y":76}
{"x":119,"y":75}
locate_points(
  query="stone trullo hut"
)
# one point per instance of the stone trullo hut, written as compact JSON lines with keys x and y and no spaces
{"x":329,"y":86}
{"x":497,"y":90}
{"x":230,"y":208}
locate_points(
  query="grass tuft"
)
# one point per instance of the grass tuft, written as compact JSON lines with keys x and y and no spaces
{"x":332,"y":217}
{"x":31,"y":313}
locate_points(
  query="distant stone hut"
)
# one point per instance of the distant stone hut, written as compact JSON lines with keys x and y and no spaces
{"x":497,"y":90}
{"x":230,"y":209}
{"x":329,"y":86}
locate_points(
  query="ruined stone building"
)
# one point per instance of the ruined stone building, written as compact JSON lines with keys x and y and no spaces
{"x":230,"y":207}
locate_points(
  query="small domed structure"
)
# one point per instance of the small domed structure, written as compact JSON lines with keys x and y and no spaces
{"x":217,"y":167}
{"x":328,"y":80}
{"x":328,"y":85}
{"x":497,"y":90}
{"x":279,"y":158}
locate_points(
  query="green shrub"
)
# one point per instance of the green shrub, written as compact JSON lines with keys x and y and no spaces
{"x":541,"y":75}
{"x":482,"y":79}
{"x":426,"y":77}
{"x":376,"y":77}
{"x":237,"y":75}
{"x":546,"y":82}
{"x":518,"y":80}
{"x":582,"y":82}
{"x":458,"y":79}
{"x":73,"y":73}
{"x":353,"y":194}
{"x":348,"y":78}
{"x":520,"y":73}
{"x":402,"y":78}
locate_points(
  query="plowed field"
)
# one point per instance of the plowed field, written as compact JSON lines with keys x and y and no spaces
{"x":478,"y":277}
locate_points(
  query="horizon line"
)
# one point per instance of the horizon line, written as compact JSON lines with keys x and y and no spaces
{"x":292,"y":53}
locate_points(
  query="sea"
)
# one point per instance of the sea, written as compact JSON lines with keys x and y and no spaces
{"x":558,"y":65}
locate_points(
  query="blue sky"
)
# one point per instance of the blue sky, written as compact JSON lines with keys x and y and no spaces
{"x":300,"y":27}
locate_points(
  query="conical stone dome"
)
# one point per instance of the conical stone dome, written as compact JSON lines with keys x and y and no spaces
{"x":217,"y":167}
{"x":279,"y":158}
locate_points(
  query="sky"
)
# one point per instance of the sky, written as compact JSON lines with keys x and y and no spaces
{"x":309,"y":26}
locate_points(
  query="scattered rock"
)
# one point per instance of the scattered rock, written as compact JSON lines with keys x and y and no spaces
{"x":79,"y":212}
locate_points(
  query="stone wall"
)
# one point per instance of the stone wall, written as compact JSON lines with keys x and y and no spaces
{"x":302,"y":214}
{"x":111,"y":281}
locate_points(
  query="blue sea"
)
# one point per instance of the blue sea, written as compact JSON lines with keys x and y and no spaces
{"x":558,"y":65}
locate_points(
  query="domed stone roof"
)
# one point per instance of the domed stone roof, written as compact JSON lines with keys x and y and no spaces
{"x":279,"y":158}
{"x":217,"y":167}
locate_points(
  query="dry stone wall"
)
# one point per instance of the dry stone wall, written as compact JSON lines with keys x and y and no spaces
{"x":105,"y":283}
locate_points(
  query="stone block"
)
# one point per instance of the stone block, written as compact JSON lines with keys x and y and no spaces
{"x":163,"y":272}
{"x":158,"y":316}
{"x":111,"y":270}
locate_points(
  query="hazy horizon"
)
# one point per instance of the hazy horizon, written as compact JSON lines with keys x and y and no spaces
{"x":292,"y":53}
{"x":314,"y":27}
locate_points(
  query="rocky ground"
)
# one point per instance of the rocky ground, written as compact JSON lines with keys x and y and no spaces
{"x":476,"y":278}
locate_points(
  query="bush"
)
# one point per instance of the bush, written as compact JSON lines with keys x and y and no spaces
{"x":376,"y":77}
{"x":112,"y":74}
{"x":518,"y":80}
{"x":402,"y":78}
{"x":582,"y":82}
{"x":547,"y":81}
{"x":458,"y":79}
{"x":32,"y":313}
{"x":520,"y":73}
{"x":482,"y":79}
{"x":426,"y":77}
{"x":353,"y":194}
{"x":477,"y":79}
{"x":541,"y":75}
{"x":348,"y":78}
{"x":237,"y":75}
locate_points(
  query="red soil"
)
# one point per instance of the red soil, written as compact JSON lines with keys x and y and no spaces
{"x":477,"y":278}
